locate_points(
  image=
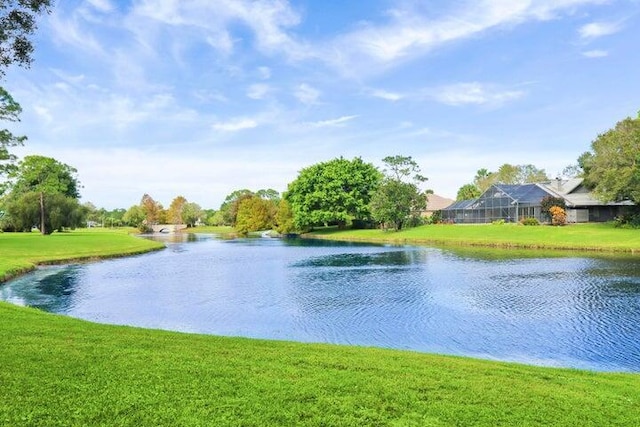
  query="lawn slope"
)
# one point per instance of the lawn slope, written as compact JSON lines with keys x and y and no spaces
{"x":21,"y":252}
{"x":590,"y":237}
{"x":62,"y":371}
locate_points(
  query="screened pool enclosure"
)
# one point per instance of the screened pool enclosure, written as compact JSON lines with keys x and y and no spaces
{"x":499,"y":202}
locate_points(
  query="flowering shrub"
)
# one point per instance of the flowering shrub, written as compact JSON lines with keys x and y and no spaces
{"x":558,"y":215}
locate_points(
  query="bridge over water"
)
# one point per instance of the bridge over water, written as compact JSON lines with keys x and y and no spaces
{"x":168,"y":228}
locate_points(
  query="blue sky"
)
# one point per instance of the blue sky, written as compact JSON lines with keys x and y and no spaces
{"x":202,"y":97}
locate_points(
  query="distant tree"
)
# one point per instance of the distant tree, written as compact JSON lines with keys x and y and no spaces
{"x":152,"y":212}
{"x":268,"y":194}
{"x":333,"y":192}
{"x":229,"y":208}
{"x":254,"y":214}
{"x":467,"y":192}
{"x":174,"y":213}
{"x":135,"y":217}
{"x":612,"y":168}
{"x":398,"y":198}
{"x":191,"y":213}
{"x":483,"y":179}
{"x":284,"y":223}
{"x":46,"y":177}
{"x":530,"y":174}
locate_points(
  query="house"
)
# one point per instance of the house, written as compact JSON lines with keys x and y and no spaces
{"x":513,"y":202}
{"x":436,"y":203}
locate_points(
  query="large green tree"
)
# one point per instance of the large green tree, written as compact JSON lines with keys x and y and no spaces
{"x":612,"y":167}
{"x":398,"y":199}
{"x":337,"y":192}
{"x":48,"y":186}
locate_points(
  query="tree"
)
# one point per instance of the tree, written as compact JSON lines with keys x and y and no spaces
{"x":396,"y":201}
{"x":483,"y":179}
{"x":548,"y":202}
{"x":284,"y":218}
{"x":229,"y":208}
{"x":9,"y":111}
{"x":254,"y":214}
{"x":135,"y":217}
{"x":612,"y":168}
{"x":333,"y":192}
{"x":46,"y":177}
{"x":175,"y":211}
{"x":17,"y":23}
{"x":467,"y":192}
{"x":191,"y":213}
{"x":152,"y":212}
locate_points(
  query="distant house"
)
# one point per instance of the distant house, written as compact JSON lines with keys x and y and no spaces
{"x":436,"y":203}
{"x":513,"y":202}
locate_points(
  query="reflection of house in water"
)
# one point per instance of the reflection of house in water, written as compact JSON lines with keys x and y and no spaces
{"x":512,"y":202}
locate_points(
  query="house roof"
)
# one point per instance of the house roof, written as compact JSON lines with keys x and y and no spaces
{"x":572,"y":191}
{"x":575,"y":193}
{"x":436,"y":202}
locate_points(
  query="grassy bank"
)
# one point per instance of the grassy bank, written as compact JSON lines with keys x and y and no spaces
{"x":586,"y":237}
{"x":20,"y":252}
{"x":62,"y":371}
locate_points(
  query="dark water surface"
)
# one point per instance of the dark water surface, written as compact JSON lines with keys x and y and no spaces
{"x":569,"y":311}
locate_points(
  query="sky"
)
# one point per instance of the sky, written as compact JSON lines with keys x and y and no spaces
{"x":203,"y":97}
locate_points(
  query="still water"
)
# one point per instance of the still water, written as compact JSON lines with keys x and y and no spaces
{"x":574,"y":311}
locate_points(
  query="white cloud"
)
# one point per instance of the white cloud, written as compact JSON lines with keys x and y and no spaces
{"x":474,"y":93}
{"x":235,"y":125}
{"x":410,"y":33}
{"x":340,"y":121}
{"x":258,"y":91}
{"x":595,"y":53}
{"x":101,"y":5}
{"x":389,"y":96}
{"x":306,"y":94}
{"x":598,"y":29}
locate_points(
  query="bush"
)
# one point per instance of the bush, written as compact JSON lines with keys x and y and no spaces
{"x":628,"y":220}
{"x":529,"y":221}
{"x":499,"y":222}
{"x":558,"y":215}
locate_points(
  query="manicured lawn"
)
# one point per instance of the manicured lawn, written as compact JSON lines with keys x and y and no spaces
{"x":61,"y":371}
{"x":20,"y":252}
{"x":597,"y":237}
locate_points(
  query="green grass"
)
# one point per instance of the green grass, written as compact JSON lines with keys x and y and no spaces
{"x":591,"y":237}
{"x":60,"y":371}
{"x":20,"y":252}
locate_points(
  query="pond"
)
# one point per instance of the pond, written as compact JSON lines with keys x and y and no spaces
{"x":575,"y":311}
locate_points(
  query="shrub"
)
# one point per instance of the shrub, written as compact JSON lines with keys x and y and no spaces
{"x":529,"y":221}
{"x":499,"y":222}
{"x":558,"y":215}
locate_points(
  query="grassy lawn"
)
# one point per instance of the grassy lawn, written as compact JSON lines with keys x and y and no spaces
{"x":59,"y":371}
{"x":593,"y":237}
{"x":62,"y":371}
{"x":21,"y":252}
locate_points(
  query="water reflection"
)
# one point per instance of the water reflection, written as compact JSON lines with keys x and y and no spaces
{"x":563,"y":311}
